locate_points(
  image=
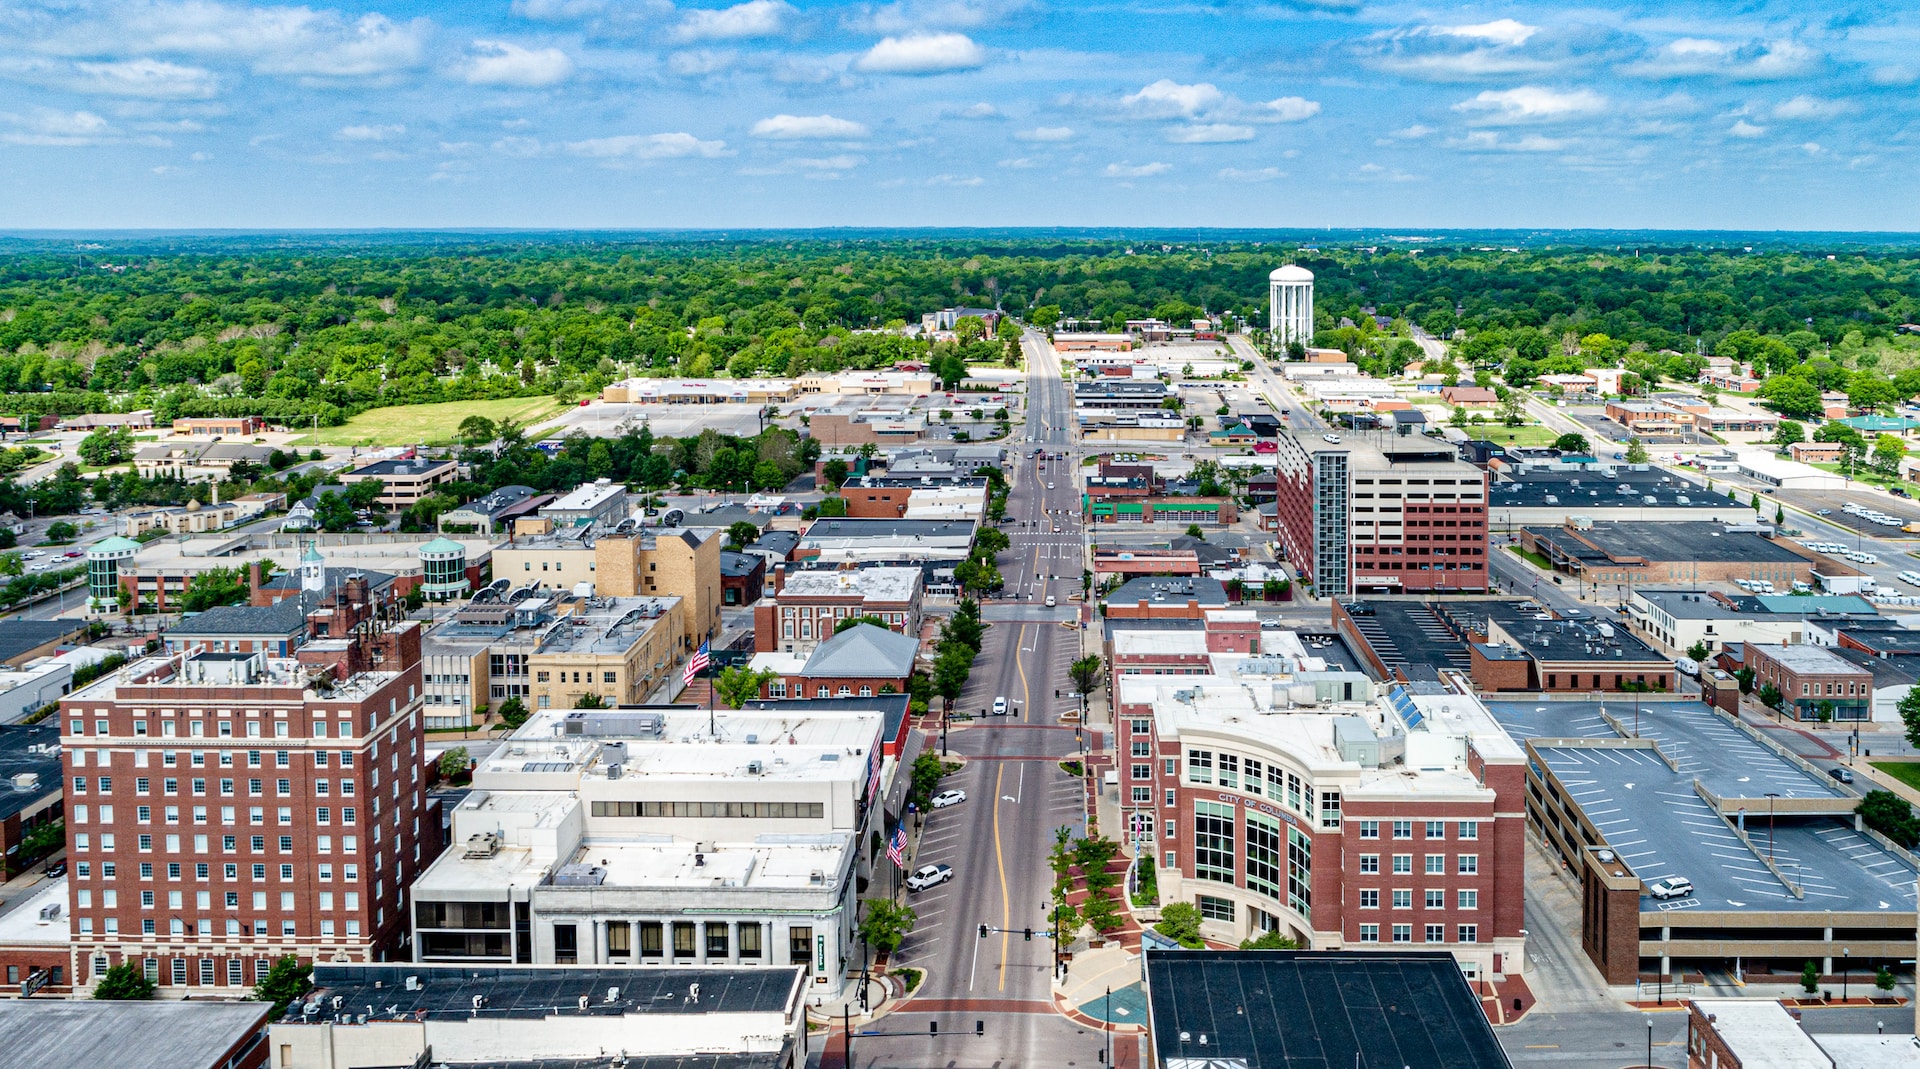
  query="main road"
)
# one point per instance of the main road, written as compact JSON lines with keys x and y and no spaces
{"x":1017,"y":795}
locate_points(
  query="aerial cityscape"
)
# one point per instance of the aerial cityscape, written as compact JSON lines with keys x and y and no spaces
{"x":601,"y":534}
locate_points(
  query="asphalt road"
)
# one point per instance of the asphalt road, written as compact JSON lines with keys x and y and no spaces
{"x":998,"y":839}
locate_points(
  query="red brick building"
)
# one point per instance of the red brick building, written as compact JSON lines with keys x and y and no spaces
{"x":1403,"y":516}
{"x":1304,"y":824}
{"x":228,"y":808}
{"x":806,"y":605}
{"x":860,"y":662}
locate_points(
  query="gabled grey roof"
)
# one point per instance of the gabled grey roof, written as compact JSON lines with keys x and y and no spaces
{"x":864,"y":651}
{"x":283,"y":617}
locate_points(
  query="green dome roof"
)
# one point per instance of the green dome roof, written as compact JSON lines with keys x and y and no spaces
{"x":116,"y":544}
{"x":444,"y":545}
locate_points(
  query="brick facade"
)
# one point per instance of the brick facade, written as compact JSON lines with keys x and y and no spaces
{"x":228,"y":809}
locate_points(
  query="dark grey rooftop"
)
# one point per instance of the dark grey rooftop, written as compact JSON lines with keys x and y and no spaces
{"x":1883,"y":639}
{"x":778,"y":543}
{"x":1582,"y":492}
{"x":1568,"y":640}
{"x":844,"y":527}
{"x":1170,"y":589}
{"x":1896,"y":671}
{"x":415,"y":466}
{"x":533,"y":991}
{"x":1409,"y":635}
{"x":738,"y":565}
{"x":29,"y":748}
{"x":1316,"y":1010}
{"x":283,"y":617}
{"x":46,"y":1033}
{"x":21,"y":637}
{"x":1669,"y":540}
{"x":500,"y":500}
{"x":864,"y":651}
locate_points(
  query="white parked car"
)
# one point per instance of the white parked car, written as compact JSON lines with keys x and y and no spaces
{"x":1671,"y":887}
{"x":932,"y":876}
{"x":947,"y":798}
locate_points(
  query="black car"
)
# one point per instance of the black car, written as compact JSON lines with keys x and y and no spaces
{"x":56,"y":869}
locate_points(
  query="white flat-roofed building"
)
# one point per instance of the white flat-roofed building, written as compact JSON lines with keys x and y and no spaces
{"x":26,"y":690}
{"x":637,"y":836}
{"x":600,"y":501}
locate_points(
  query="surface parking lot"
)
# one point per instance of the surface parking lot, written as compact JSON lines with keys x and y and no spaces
{"x":1661,"y":827}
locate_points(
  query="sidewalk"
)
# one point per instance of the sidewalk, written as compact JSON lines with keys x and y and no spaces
{"x":1102,"y":991}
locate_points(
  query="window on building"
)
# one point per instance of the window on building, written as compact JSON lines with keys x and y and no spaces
{"x":1265,"y":842}
{"x":1199,"y":766}
{"x":799,"y":946}
{"x":566,"y":944}
{"x":1469,"y":933}
{"x":1402,"y":864}
{"x":1215,"y":909}
{"x":1403,"y":899}
{"x":1369,"y":829}
{"x":1436,"y":899}
{"x":1369,"y":863}
{"x":1370,"y":898}
{"x":1403,"y":829}
{"x":1403,"y":933}
{"x":1469,"y":900}
{"x":1213,"y":842}
{"x":1436,"y":829}
{"x":1436,"y":864}
{"x":1469,"y":864}
{"x":1369,"y":933}
{"x":1469,"y":829}
{"x":1436,"y":933}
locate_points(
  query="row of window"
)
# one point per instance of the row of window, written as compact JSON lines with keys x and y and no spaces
{"x":1434,"y":830}
{"x":225,"y":758}
{"x":605,"y":677}
{"x":170,"y":844}
{"x":778,"y":689}
{"x":1233,"y":772}
{"x":224,"y":729}
{"x":1435,"y":899}
{"x":203,"y":871}
{"x":1436,"y":864}
{"x":751,"y":810}
{"x":110,"y":898}
{"x":1435,"y":933}
{"x":170,"y":814}
{"x":717,"y":938}
{"x":169,"y":785}
{"x":208,"y":971}
{"x":235,"y":929}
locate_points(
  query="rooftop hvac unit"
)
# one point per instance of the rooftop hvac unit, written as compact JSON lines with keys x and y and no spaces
{"x":413,"y":983}
{"x":483,"y":844}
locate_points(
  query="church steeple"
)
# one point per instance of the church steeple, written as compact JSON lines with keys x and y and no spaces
{"x":313,"y":570}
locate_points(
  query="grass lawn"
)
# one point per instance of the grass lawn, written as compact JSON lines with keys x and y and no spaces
{"x":1532,"y":434}
{"x":1907,"y":772}
{"x":1537,"y":560}
{"x":427,"y":424}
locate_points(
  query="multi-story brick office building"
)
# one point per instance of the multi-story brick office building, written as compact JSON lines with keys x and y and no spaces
{"x":1273,"y":805}
{"x":808,"y":605}
{"x":229,"y":808}
{"x":1381,"y":513}
{"x":1812,"y":680}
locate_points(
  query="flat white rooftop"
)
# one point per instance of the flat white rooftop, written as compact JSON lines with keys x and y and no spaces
{"x":803,"y":747}
{"x":23,"y":923}
{"x":873,"y":584}
{"x":1763,"y":1035}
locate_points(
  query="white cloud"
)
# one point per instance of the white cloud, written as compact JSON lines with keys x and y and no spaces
{"x":1413,"y":133}
{"x":908,"y":16}
{"x":519,"y":147}
{"x":1809,"y":107}
{"x":1209,"y":134}
{"x":1490,"y":141}
{"x":755,"y":18}
{"x":648,"y":147}
{"x":558,"y":10}
{"x":1532,"y":102}
{"x":808,"y":128}
{"x":370,"y":133}
{"x":505,"y":63}
{"x":1263,"y":174}
{"x":699,"y":61}
{"x":61,"y":129}
{"x":1020,"y":164}
{"x":922,"y":53}
{"x":1168,"y":99}
{"x":1508,"y":32}
{"x":297,"y":41}
{"x":1284,"y":109}
{"x":1811,"y":148}
{"x":1692,"y":57}
{"x":842,"y":162}
{"x":1129,"y":170}
{"x":982,"y":110}
{"x":1205,"y":102}
{"x":1896,"y":74}
{"x":142,"y":78}
{"x":1743,"y":128}
{"x":1046,"y":133}
{"x":956,"y":180}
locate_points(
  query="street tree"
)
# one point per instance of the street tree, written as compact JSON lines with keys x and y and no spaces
{"x":1636,"y":451}
{"x":1572,"y":443}
{"x":736,"y":686}
{"x":123,"y":982}
{"x":285,"y":981}
{"x":1086,"y":673}
{"x":886,"y":924}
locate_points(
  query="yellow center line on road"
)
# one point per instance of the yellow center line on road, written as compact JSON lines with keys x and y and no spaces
{"x":1006,"y":903}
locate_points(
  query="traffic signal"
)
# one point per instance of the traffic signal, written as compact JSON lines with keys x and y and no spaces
{"x":979,"y":1028}
{"x":983,"y":931}
{"x":933,"y":1028}
{"x":1029,"y":935}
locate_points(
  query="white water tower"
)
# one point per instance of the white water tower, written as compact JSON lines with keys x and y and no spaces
{"x":1290,"y":305}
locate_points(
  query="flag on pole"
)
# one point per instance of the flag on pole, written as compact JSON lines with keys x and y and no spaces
{"x":897,"y":849}
{"x":695,"y":665}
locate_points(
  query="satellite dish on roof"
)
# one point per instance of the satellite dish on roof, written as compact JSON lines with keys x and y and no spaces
{"x":673,"y":518}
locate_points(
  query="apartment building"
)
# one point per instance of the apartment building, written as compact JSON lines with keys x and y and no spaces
{"x":1385,"y":514}
{"x":678,"y":562}
{"x":661,"y":836}
{"x":226,"y":809}
{"x":808,"y":605}
{"x":1272,"y":805}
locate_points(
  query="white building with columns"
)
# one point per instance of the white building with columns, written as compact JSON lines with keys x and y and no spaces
{"x":1290,"y":305}
{"x":638,"y":837}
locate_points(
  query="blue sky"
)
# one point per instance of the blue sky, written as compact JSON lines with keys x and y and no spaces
{"x":648,"y":113}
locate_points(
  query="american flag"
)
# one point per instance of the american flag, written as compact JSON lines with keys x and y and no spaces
{"x":695,"y":665}
{"x":897,"y":849}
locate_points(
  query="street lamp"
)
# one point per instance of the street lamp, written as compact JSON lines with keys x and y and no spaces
{"x":1845,"y":960}
{"x":1649,"y":1042}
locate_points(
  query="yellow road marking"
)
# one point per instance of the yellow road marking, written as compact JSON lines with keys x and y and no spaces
{"x":1026,"y":692}
{"x":1006,"y":904}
